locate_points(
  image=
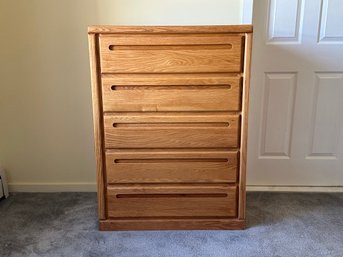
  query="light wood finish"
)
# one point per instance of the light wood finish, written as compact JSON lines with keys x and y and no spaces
{"x":171,"y":166}
{"x":108,"y":29}
{"x":149,"y":54}
{"x":131,"y":131}
{"x":170,"y":116}
{"x":108,"y":41}
{"x":166,"y":93}
{"x":97,"y":122}
{"x":172,"y":201}
{"x":179,"y":79}
{"x":244,"y":129}
{"x":169,"y":224}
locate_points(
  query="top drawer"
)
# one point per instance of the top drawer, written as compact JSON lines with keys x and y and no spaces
{"x":170,"y":53}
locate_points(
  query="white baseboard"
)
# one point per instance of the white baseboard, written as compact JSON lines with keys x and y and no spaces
{"x":324,"y":189}
{"x":91,"y":187}
{"x":3,"y":181}
{"x":52,"y":187}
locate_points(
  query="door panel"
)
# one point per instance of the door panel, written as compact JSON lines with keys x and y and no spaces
{"x":326,"y":115}
{"x":296,"y":125}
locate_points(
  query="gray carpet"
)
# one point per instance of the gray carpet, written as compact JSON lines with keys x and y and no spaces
{"x":65,"y":224}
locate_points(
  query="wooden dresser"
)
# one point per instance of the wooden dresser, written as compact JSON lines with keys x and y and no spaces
{"x":170,"y":122}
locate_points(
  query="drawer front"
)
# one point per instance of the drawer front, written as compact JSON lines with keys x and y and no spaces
{"x":172,"y":201}
{"x":171,"y":167}
{"x":171,"y":131}
{"x":161,"y":92}
{"x":170,"y":53}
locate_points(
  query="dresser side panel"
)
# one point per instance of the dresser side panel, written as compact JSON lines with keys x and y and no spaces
{"x":97,"y":122}
{"x":244,"y":126}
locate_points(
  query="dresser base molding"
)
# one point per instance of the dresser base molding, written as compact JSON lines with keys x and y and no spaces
{"x":172,"y":224}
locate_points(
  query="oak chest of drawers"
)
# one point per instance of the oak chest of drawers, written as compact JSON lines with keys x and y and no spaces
{"x":170,"y":121}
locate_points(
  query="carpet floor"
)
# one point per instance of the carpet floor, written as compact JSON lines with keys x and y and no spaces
{"x":65,"y":224}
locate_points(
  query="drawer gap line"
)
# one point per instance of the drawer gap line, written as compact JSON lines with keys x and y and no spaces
{"x":109,"y":74}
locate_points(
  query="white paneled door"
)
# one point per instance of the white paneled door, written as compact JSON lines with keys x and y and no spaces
{"x":296,"y":108}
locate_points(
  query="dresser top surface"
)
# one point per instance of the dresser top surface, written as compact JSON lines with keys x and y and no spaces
{"x":109,"y":29}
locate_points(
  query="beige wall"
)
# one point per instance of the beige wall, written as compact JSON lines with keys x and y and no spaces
{"x":46,"y":138}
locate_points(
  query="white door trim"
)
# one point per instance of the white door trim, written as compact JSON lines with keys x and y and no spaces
{"x":247,"y":11}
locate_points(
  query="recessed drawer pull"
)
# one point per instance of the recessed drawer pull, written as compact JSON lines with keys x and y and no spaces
{"x":171,"y":87}
{"x":171,"y":54}
{"x":178,"y":160}
{"x":171,"y":130}
{"x":177,"y":201}
{"x":170,"y":93}
{"x":178,"y":124}
{"x":175,"y":166}
{"x":170,"y":195}
{"x":169,"y":47}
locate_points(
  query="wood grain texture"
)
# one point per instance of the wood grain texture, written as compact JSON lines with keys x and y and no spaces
{"x":192,"y":79}
{"x":178,"y":131}
{"x":177,"y":93}
{"x":167,"y":39}
{"x":170,"y":108}
{"x":170,"y":223}
{"x":185,"y":56}
{"x":244,"y":129}
{"x":171,"y":166}
{"x":109,"y":29}
{"x":97,"y":122}
{"x":175,"y":201}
